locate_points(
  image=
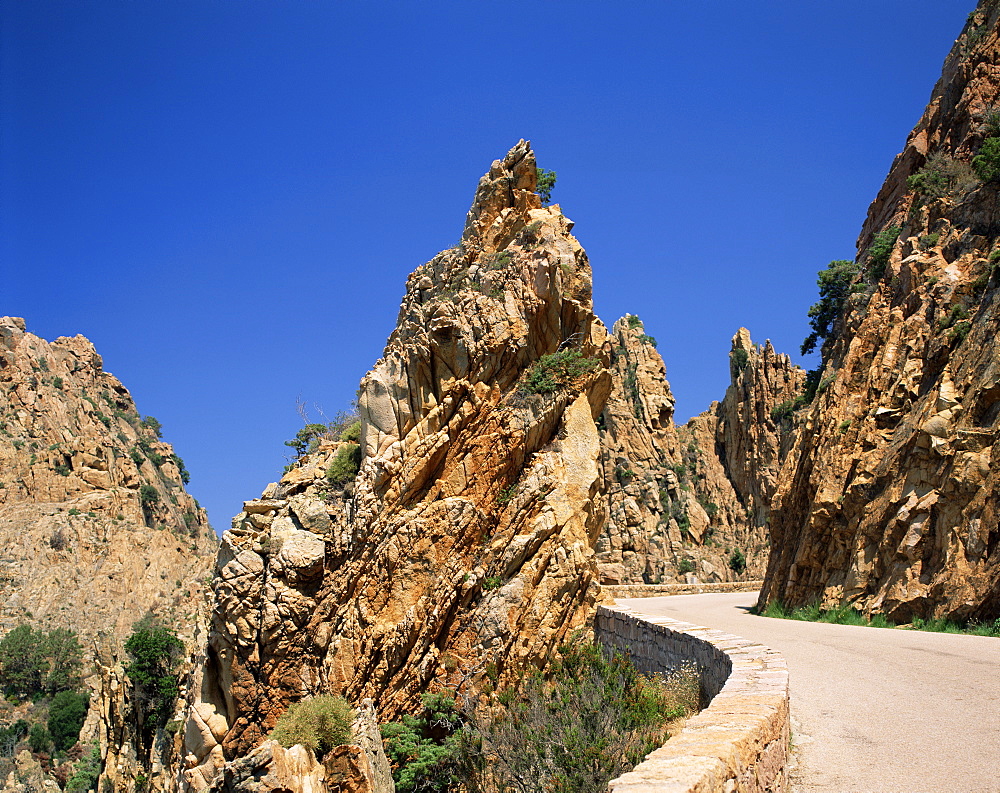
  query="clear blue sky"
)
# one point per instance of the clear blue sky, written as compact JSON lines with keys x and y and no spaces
{"x":226,"y":196}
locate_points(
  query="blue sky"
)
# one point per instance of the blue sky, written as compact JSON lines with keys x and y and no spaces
{"x":226,"y":197}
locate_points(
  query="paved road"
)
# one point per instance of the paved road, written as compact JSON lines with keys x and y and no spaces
{"x":873,"y":710}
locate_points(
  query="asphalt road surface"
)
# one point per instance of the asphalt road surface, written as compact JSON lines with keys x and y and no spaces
{"x":873,"y":710}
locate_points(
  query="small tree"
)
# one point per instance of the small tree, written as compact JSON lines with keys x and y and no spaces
{"x":155,"y":652}
{"x":737,"y":561}
{"x":22,"y":662}
{"x":834,"y":288}
{"x":546,"y":181}
{"x":152,"y":425}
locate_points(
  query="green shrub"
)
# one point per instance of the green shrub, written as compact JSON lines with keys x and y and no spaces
{"x":66,"y":715}
{"x":352,"y":433}
{"x":39,"y":739}
{"x":152,"y":425}
{"x":957,"y":314}
{"x":62,"y":469}
{"x":738,"y":360}
{"x":942,"y":176}
{"x":634,"y":323}
{"x":545,"y":182}
{"x":880,"y":250}
{"x":986,"y":164}
{"x":426,"y":751}
{"x":86,"y":772}
{"x":557,"y":370}
{"x":318,"y":723}
{"x":737,"y":561}
{"x":57,"y":382}
{"x":154,"y":652}
{"x":34,"y":663}
{"x":929,"y":240}
{"x":834,"y":288}
{"x":137,"y":457}
{"x":647,"y":339}
{"x":959,"y":331}
{"x":685,"y":566}
{"x":148,"y":495}
{"x":492,"y":582}
{"x":345,"y":465}
{"x":589,"y":720}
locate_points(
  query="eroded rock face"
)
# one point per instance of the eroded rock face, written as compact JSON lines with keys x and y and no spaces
{"x":889,"y":498}
{"x":83,"y":546}
{"x":96,"y":528}
{"x":465,"y":543}
{"x":681,"y":499}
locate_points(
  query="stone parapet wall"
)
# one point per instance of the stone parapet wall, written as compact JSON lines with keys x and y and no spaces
{"x":610,"y":591}
{"x":740,"y":742}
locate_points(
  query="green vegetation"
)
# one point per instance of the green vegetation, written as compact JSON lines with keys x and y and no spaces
{"x":834,"y":288}
{"x":318,"y":723}
{"x":784,"y":410}
{"x":345,"y":465}
{"x":62,"y":469}
{"x":737,"y":561}
{"x":182,"y":469}
{"x":634,"y":322}
{"x":846,"y":614}
{"x":986,"y":164}
{"x":941,"y":177}
{"x":39,"y":739}
{"x":880,"y":250}
{"x":66,"y":715}
{"x":645,"y":338}
{"x":557,"y":370}
{"x":153,"y":426}
{"x":546,"y":181}
{"x":426,"y":751}
{"x":738,"y":359}
{"x":929,"y":240}
{"x":685,"y":566}
{"x":958,"y":320}
{"x":346,"y":426}
{"x":352,"y":433}
{"x":34,"y":664}
{"x":148,"y":495}
{"x":87,"y":771}
{"x":307,"y":439}
{"x":591,"y":717}
{"x":57,"y":382}
{"x":154,"y":652}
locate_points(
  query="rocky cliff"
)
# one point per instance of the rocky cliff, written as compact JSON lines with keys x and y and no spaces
{"x":889,"y":498}
{"x":681,"y":500}
{"x":95,"y":524}
{"x":462,"y":550}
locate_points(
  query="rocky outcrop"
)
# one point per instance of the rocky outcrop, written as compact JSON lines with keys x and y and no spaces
{"x":682,"y":499}
{"x":889,"y":499}
{"x":95,"y":525}
{"x":464,"y":546}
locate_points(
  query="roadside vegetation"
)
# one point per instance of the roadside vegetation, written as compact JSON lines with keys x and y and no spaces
{"x":848,"y":615}
{"x":591,"y":717}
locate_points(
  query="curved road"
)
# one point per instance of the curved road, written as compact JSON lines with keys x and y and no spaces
{"x":873,"y":710}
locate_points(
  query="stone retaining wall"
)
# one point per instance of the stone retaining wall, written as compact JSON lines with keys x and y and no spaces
{"x":740,"y":742}
{"x":656,"y":590}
